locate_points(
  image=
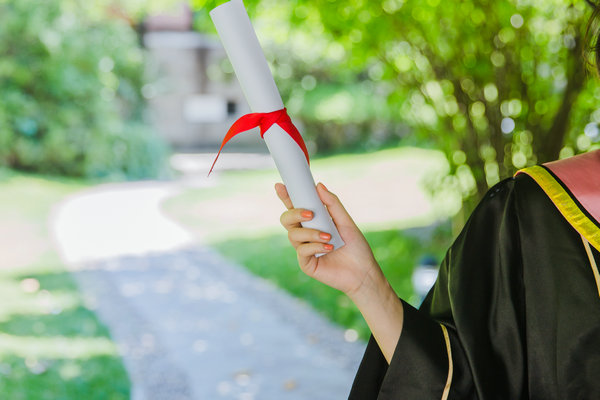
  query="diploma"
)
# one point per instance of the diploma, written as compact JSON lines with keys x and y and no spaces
{"x":286,"y":147}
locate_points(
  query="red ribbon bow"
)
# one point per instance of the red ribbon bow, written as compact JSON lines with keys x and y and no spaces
{"x":264,"y":121}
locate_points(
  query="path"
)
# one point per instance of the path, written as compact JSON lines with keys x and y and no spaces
{"x":191,"y":325}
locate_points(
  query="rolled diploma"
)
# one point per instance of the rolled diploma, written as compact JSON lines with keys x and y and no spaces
{"x":251,"y":68}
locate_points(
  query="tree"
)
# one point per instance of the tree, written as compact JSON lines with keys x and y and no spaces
{"x":496,"y":85}
{"x":71,"y":84}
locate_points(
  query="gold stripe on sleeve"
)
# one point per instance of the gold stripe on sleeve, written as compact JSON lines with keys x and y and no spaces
{"x":565,"y":204}
{"x":450,"y":364}
{"x":588,"y":250}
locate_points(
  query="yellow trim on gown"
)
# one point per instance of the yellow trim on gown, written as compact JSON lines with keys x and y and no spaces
{"x":563,"y":200}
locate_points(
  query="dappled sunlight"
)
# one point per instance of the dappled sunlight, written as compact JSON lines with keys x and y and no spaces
{"x":42,"y":302}
{"x":51,"y":343}
{"x":56,"y":347}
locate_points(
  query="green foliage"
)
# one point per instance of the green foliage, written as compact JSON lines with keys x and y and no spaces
{"x":70,"y":83}
{"x":496,"y":85}
{"x":494,"y":82}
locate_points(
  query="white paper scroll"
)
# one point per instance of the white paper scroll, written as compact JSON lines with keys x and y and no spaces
{"x":249,"y":63}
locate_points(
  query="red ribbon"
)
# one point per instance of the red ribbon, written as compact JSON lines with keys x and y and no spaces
{"x":264,"y":121}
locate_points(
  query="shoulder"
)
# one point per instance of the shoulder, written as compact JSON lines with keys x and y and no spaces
{"x":502,"y":199}
{"x":519,"y":186}
{"x":508,"y":196}
{"x":500,"y":215}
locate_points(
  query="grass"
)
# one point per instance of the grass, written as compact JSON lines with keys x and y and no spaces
{"x":239,"y":216}
{"x":272,"y":257}
{"x":51,"y":345}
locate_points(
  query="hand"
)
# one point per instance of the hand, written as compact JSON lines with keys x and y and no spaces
{"x":345,"y":269}
{"x":351,"y":268}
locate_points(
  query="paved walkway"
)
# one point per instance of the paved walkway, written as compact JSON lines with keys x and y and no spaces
{"x":191,"y":325}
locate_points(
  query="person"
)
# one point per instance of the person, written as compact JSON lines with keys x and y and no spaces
{"x":515,"y":311}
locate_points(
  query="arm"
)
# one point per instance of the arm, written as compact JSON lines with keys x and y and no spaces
{"x":468,"y":339}
{"x":383,"y":312}
{"x":351,"y":269}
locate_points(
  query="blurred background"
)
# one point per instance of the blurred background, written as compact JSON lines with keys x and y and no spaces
{"x":126,"y":273}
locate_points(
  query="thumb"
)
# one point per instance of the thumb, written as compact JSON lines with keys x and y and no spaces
{"x":334,"y":206}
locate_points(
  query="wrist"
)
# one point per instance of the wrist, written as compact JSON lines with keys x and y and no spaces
{"x":374,"y":288}
{"x":381,"y":309}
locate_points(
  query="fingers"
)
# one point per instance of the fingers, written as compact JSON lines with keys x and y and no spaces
{"x":292,"y":218}
{"x":298,"y":236}
{"x":308,"y":250}
{"x":283,"y":195}
{"x":334,"y":206}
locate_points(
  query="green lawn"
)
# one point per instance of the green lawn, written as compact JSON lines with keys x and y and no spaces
{"x":239,"y":216}
{"x":51,"y":345}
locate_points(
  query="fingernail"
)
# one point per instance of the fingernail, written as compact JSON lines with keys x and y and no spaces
{"x":328,"y":247}
{"x":325,"y":187}
{"x":306,"y":214}
{"x":324,"y":236}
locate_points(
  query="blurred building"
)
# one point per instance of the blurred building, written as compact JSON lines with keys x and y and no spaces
{"x":190,"y":110}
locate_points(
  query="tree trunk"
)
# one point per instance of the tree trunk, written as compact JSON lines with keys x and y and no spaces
{"x":548,"y":148}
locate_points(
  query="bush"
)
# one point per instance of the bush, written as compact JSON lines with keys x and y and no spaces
{"x":71,"y":83}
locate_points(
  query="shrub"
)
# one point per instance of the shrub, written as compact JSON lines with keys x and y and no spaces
{"x":70,"y":82}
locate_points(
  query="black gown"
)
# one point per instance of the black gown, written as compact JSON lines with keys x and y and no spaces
{"x":515,"y":312}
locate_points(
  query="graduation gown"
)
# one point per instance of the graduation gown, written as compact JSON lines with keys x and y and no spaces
{"x":515,"y":312}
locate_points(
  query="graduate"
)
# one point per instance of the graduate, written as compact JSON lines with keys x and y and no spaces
{"x":515,"y":312}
